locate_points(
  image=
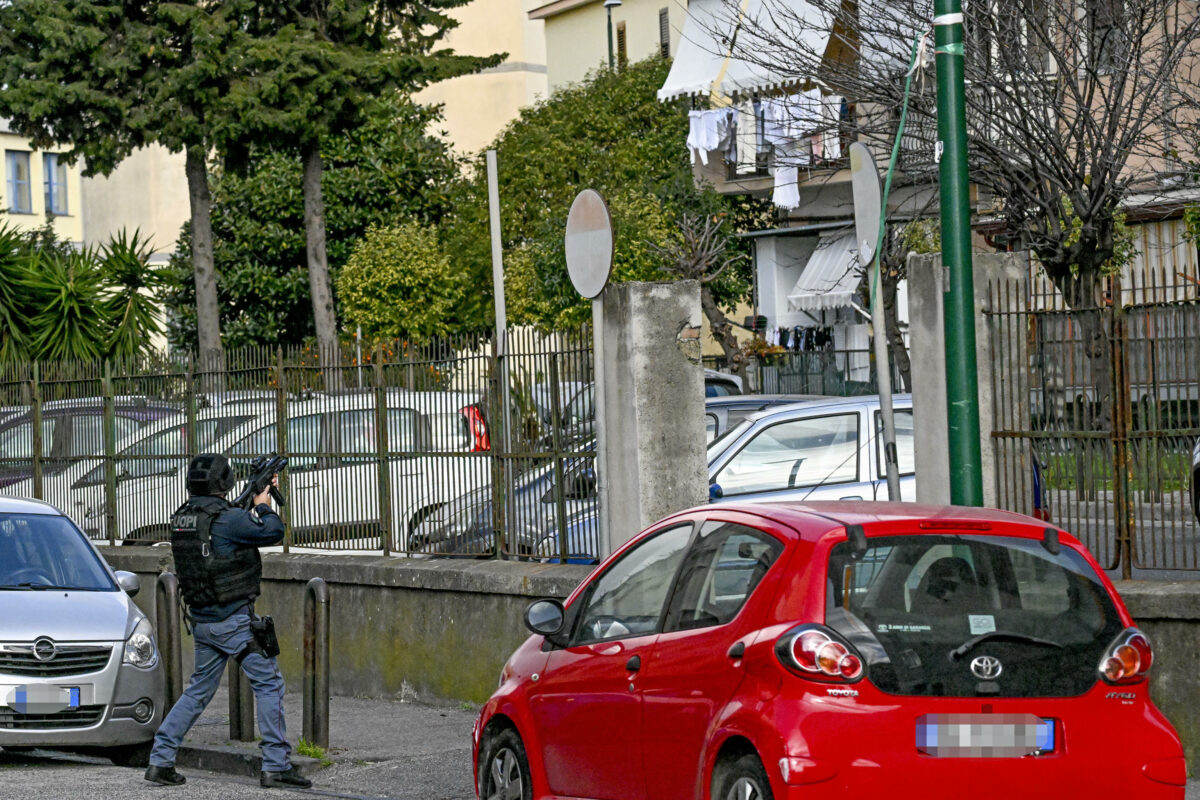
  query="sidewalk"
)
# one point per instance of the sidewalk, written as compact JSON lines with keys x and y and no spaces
{"x":378,"y":748}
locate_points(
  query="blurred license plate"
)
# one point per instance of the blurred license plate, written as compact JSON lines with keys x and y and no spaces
{"x":984,"y":735}
{"x":40,"y":698}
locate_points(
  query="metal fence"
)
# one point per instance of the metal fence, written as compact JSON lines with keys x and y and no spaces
{"x":839,"y":373}
{"x":1101,"y":407}
{"x":432,"y":449}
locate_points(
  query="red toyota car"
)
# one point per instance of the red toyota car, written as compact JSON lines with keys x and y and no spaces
{"x":748,"y":652}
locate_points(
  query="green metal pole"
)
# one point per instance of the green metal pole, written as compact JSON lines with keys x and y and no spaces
{"x":962,"y":391}
{"x":611,"y":63}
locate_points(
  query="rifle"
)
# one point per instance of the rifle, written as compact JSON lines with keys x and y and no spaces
{"x":262,"y":471}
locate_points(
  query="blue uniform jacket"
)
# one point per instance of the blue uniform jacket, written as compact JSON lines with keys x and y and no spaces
{"x":236,"y":528}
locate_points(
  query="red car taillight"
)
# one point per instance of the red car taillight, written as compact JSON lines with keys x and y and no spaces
{"x":814,"y":651}
{"x":1128,"y":659}
{"x":480,"y":440}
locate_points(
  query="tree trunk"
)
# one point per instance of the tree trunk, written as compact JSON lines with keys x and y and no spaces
{"x":722,"y":331}
{"x":318,"y":265}
{"x":208,"y":318}
{"x":891,"y":321}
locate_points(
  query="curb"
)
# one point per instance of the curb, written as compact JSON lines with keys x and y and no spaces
{"x":233,"y":760}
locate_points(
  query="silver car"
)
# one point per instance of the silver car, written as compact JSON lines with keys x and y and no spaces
{"x":818,"y":450}
{"x":79,"y":665}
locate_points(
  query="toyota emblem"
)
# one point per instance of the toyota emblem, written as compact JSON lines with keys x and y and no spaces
{"x":986,"y":668}
{"x":44,"y":649}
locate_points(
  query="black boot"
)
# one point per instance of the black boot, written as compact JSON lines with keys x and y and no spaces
{"x":289,"y":777}
{"x":167,"y":776}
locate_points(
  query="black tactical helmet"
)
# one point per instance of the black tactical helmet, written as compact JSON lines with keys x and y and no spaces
{"x":209,"y":473}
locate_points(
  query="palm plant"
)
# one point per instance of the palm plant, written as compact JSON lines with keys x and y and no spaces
{"x":71,"y":322}
{"x":133,"y":316}
{"x":14,"y":294}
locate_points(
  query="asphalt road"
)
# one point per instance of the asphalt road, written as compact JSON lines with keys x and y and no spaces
{"x":57,"y":777}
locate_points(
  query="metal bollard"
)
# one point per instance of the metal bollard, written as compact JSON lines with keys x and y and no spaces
{"x":170,"y":644}
{"x":316,"y":663}
{"x":241,"y":705}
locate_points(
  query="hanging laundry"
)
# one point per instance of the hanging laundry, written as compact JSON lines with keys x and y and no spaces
{"x":831,"y":118}
{"x":747,"y":138}
{"x":786,"y":193}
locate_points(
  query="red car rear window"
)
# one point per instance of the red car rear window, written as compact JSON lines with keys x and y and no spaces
{"x":922,"y":608}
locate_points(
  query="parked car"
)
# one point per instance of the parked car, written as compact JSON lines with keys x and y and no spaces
{"x":1196,"y":478}
{"x":70,"y":429}
{"x":79,"y":665}
{"x":722,"y":413}
{"x":792,"y":650}
{"x":332,"y":481}
{"x":464,"y":525}
{"x":829,"y":449}
{"x":721,"y":384}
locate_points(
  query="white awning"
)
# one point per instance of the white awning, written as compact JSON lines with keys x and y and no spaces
{"x":700,"y":56}
{"x":708,"y":56}
{"x":830,"y":278}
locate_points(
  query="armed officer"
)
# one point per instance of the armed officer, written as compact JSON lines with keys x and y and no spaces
{"x":219,"y":568}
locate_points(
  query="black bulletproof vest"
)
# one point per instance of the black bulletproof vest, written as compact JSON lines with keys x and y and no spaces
{"x":206,"y":579}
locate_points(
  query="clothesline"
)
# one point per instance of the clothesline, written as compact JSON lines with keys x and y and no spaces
{"x":797,"y":130}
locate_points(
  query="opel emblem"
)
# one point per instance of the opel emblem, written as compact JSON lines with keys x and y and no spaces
{"x":44,"y":650}
{"x":986,"y":668}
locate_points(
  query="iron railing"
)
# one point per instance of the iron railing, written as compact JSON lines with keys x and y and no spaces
{"x":383,"y":443}
{"x":1095,"y":414}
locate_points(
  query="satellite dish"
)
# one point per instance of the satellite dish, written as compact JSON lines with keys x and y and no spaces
{"x":589,"y":243}
{"x":868,"y":206}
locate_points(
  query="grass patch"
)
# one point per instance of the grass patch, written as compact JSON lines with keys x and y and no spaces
{"x":310,"y":750}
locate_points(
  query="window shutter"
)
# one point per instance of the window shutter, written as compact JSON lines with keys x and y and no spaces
{"x":664,"y":33}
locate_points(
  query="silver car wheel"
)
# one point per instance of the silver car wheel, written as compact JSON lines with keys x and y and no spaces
{"x":505,"y":770}
{"x":744,"y":789}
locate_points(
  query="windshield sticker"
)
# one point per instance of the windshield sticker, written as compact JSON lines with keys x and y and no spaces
{"x":981,"y":623}
{"x":885,"y":628}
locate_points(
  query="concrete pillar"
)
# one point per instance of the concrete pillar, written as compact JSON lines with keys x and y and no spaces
{"x":926,"y":285}
{"x":653,"y":450}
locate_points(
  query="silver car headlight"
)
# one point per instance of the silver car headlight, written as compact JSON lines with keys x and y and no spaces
{"x":140,"y":649}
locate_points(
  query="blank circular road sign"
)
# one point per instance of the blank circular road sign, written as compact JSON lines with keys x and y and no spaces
{"x":589,"y":243}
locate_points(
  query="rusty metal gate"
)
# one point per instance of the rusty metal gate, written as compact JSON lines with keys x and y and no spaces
{"x":1095,"y":413}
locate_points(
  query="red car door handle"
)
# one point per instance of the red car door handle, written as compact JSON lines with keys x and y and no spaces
{"x":737,"y":651}
{"x":633,"y":664}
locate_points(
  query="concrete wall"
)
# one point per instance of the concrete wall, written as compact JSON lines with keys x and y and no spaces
{"x":926,"y":285}
{"x":652,"y":451}
{"x":441,"y":630}
{"x":436,"y":630}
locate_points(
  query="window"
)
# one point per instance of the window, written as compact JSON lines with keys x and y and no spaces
{"x":721,"y":570}
{"x":356,"y":433}
{"x":628,"y":599}
{"x":622,"y":51}
{"x":664,"y":33}
{"x":162,"y":453}
{"x":303,"y":436}
{"x":904,"y":443}
{"x":710,"y":428}
{"x":20,"y":200}
{"x":46,"y":549}
{"x":916,"y":607}
{"x":56,"y":184}
{"x":16,"y":443}
{"x":814,"y":451}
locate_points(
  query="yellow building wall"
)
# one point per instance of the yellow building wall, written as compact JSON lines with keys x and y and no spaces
{"x":147,"y":193}
{"x":477,"y":107}
{"x":577,"y":40}
{"x":69,"y":226}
